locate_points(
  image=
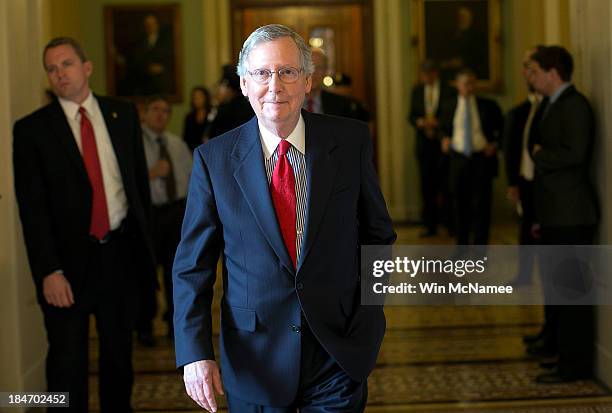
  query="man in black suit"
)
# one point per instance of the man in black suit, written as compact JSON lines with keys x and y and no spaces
{"x":82,"y":188}
{"x":566,"y":207}
{"x":320,"y":100}
{"x":426,"y":102}
{"x":471,"y":127}
{"x":233,"y":109}
{"x":520,"y":170}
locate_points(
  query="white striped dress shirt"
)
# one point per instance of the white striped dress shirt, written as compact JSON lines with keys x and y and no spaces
{"x":297,"y":159}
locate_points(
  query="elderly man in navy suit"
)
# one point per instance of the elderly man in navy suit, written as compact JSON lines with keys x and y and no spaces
{"x":288,"y":198}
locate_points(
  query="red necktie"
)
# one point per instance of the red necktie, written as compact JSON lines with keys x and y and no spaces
{"x":99,"y":225}
{"x":282,"y":189}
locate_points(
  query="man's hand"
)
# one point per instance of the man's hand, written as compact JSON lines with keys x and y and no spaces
{"x":489,"y":150}
{"x":431,"y":122}
{"x":57,"y":291}
{"x":536,"y":149}
{"x":446,"y":143}
{"x":535,"y":231}
{"x":160,"y":170}
{"x":512,"y":194}
{"x":202,"y":379}
{"x":156,"y":69}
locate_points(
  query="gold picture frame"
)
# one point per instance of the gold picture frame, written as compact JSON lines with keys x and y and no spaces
{"x":461,"y":33}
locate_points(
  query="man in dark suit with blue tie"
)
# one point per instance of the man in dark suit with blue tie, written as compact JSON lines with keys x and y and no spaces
{"x":472,"y":127}
{"x":288,"y":198}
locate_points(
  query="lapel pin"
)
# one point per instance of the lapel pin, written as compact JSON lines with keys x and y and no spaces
{"x":114,"y":115}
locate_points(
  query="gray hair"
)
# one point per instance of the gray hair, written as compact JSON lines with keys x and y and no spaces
{"x":267,"y":34}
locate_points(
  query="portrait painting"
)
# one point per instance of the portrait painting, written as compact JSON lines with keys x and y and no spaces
{"x":143,"y":51}
{"x":460,"y":34}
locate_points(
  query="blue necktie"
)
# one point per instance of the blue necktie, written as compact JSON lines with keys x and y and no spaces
{"x":467,"y":129}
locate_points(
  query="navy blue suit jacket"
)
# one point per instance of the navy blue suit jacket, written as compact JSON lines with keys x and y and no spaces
{"x":230,"y":212}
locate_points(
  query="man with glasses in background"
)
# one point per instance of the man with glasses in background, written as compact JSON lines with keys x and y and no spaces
{"x":288,"y":198}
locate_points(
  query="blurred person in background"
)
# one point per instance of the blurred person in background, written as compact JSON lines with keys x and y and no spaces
{"x":425,"y":105}
{"x":233,"y":109}
{"x":169,"y":162}
{"x":196,"y":121}
{"x":472,"y":128}
{"x":320,"y":100}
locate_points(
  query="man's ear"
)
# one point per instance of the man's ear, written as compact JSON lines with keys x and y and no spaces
{"x":243,"y":86}
{"x":88,"y":65}
{"x":308,"y":84}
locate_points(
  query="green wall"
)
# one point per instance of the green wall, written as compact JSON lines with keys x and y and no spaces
{"x":92,"y":28}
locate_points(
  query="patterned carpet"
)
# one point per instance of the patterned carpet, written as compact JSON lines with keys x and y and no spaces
{"x":433,"y":359}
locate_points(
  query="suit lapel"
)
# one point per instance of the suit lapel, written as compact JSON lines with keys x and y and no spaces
{"x":61,"y":129}
{"x":113,"y":122}
{"x":321,"y":170}
{"x":250,"y":174}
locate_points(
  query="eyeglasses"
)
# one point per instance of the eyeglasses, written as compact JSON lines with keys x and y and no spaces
{"x":285,"y":74}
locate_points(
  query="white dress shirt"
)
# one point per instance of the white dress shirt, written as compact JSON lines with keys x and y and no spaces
{"x":527,"y":166}
{"x":297,"y":159}
{"x":458,"y":139}
{"x":116,"y":200}
{"x":431,"y":96}
{"x":181,"y":159}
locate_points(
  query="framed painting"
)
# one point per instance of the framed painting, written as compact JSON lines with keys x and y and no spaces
{"x":143,"y":51}
{"x":461,"y":33}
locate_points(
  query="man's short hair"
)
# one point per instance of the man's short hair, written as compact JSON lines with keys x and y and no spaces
{"x":67,"y":41}
{"x":466,"y":71}
{"x":267,"y":34}
{"x":555,"y":57}
{"x":428,"y":66}
{"x":155,"y":98}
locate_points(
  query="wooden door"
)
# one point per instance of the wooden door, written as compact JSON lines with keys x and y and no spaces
{"x":344,"y":29}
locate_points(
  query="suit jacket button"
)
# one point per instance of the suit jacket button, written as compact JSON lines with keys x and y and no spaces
{"x":299,"y":286}
{"x":295,"y":329}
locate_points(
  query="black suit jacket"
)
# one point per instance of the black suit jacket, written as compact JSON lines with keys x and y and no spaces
{"x":344,"y":106}
{"x":564,"y":194}
{"x":417,"y":108}
{"x":54,"y":194}
{"x":491,"y":122}
{"x":514,"y":127}
{"x":230,"y":115}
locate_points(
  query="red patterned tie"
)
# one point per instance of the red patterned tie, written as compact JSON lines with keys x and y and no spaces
{"x":99,"y":225}
{"x":282,"y":189}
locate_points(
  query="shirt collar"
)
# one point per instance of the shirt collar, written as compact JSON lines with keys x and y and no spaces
{"x":150,"y":134}
{"x":434,"y":85}
{"x":558,"y":92}
{"x":71,"y":109}
{"x":297,"y":138}
{"x":467,"y":99}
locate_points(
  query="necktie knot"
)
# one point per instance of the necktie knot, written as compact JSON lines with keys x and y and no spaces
{"x":283,"y":147}
{"x":82,"y":111}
